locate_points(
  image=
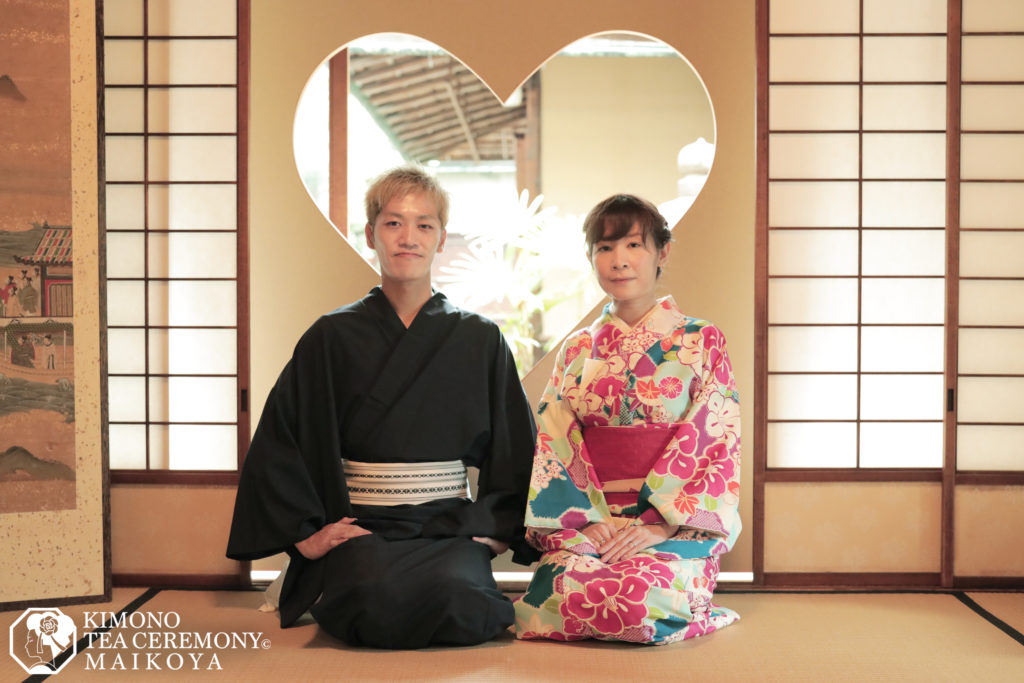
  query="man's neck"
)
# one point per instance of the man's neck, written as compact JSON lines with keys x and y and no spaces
{"x":407,"y":298}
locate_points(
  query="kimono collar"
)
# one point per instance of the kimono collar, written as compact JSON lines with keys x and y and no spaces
{"x":662,"y":319}
{"x":377,"y":300}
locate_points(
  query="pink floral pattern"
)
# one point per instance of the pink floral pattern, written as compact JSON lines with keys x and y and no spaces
{"x":667,"y":369}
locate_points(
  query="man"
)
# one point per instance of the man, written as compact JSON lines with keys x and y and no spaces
{"x":357,"y":467}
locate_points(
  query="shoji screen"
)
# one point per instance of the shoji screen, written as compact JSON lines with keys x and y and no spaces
{"x":856,"y":245}
{"x":990,"y":334}
{"x":175,"y":242}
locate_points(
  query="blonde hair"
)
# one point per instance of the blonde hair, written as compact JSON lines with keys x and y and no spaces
{"x":401,"y":181}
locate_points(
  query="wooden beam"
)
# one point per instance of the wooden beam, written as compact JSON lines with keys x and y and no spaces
{"x":462,"y":122}
{"x":337,"y":195}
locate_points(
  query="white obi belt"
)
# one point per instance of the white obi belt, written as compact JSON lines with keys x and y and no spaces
{"x":404,"y":483}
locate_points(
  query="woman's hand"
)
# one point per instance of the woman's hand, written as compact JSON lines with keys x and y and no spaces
{"x":630,"y":540}
{"x":330,"y":536}
{"x":599,"y":533}
{"x":497,"y":547}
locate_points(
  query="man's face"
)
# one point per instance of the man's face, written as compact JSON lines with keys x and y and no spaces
{"x":406,"y":235}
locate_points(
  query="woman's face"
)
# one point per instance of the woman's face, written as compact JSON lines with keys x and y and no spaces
{"x":627,"y":268}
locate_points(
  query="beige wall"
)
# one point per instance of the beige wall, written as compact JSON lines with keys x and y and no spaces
{"x":300,"y":268}
{"x":616,"y":124}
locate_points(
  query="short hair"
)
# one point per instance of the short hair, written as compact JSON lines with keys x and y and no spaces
{"x":615,"y":216}
{"x":401,"y":181}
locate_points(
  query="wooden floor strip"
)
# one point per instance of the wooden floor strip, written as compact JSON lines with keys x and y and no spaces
{"x":990,"y":618}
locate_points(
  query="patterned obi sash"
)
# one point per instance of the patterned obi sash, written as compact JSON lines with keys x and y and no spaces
{"x":623,"y":457}
{"x":404,"y":483}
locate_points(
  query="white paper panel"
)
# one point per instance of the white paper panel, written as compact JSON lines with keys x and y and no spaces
{"x":192,"y":62}
{"x":905,"y":59}
{"x":904,"y":107}
{"x":123,"y":109}
{"x":192,"y":255}
{"x":813,"y":59}
{"x":993,"y":15}
{"x":813,"y":107}
{"x":812,"y":444}
{"x":903,"y":444}
{"x":991,"y":205}
{"x":812,"y":205}
{"x":984,"y":447}
{"x":990,"y":399}
{"x":126,"y":398}
{"x":993,"y":352}
{"x":192,"y":158}
{"x":809,"y":349}
{"x":158,"y":352}
{"x":904,"y":155}
{"x":126,"y":352}
{"x":812,"y":252}
{"x":819,"y":155}
{"x":814,"y":16}
{"x":991,"y":302}
{"x":192,"y":110}
{"x":812,"y":397}
{"x":127,"y":447}
{"x":992,"y":156}
{"x":202,"y":399}
{"x":192,"y":17}
{"x":158,"y":399}
{"x":203,"y":447}
{"x":122,"y":17}
{"x":905,"y":205}
{"x":192,"y":304}
{"x":125,"y":255}
{"x":125,"y":207}
{"x":903,"y":300}
{"x":902,"y":397}
{"x":907,"y":349}
{"x":126,"y":302}
{"x":125,"y":159}
{"x":992,"y":107}
{"x":812,"y":300}
{"x":905,"y":16}
{"x":202,"y":352}
{"x":904,"y":252}
{"x":159,"y":436}
{"x":192,"y":207}
{"x":992,"y":254}
{"x":122,"y":62}
{"x":993,"y":58}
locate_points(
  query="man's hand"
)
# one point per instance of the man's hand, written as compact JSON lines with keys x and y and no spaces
{"x":497,"y":547}
{"x":320,"y":543}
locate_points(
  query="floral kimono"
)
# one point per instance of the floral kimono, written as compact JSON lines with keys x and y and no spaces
{"x":638,"y":425}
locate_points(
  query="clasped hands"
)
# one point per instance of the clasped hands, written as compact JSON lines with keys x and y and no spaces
{"x":336,"y":533}
{"x":614,"y":544}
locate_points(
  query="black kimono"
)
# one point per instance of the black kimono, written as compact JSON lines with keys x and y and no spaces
{"x":362,"y":387}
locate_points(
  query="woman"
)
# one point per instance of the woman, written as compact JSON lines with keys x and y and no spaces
{"x":635,"y":481}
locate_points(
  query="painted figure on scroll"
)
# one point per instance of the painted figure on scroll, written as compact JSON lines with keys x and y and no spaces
{"x":358,"y":467}
{"x":635,"y":480}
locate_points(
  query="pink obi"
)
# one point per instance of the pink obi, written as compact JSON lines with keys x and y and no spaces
{"x":623,"y":457}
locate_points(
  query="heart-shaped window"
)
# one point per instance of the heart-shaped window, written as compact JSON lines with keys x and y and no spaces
{"x":610,"y":113}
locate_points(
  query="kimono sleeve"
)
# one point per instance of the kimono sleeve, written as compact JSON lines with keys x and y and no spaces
{"x":503,"y":462}
{"x":696,"y":482}
{"x":563,"y":498}
{"x":291,"y":482}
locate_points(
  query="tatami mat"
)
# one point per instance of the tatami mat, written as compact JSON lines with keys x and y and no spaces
{"x":781,"y":637}
{"x":11,"y":671}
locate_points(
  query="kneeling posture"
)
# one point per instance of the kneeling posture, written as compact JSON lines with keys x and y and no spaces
{"x":358,"y":467}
